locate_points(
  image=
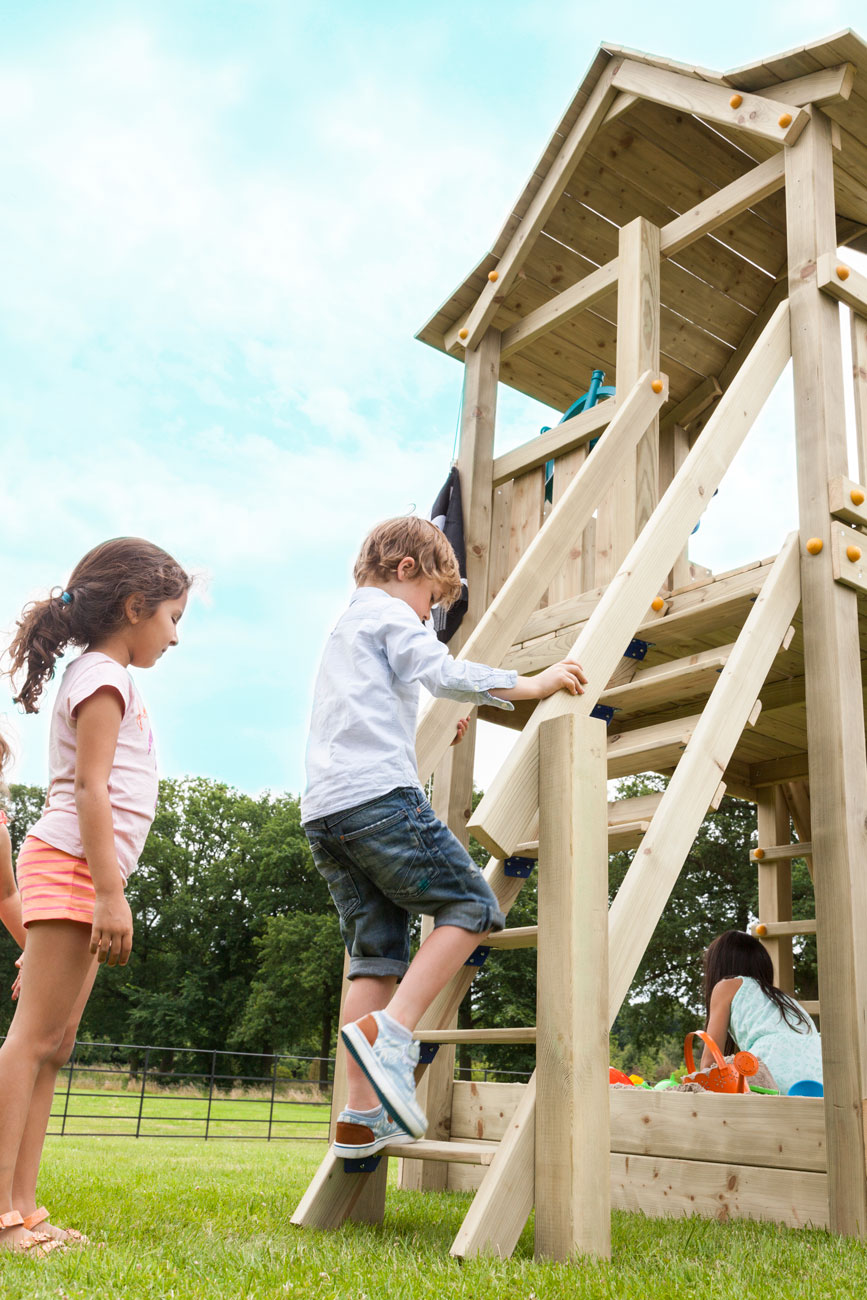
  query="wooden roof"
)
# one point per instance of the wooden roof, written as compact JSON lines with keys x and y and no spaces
{"x":658,"y":162}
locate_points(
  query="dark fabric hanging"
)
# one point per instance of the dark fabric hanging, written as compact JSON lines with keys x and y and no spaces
{"x":447,"y":513}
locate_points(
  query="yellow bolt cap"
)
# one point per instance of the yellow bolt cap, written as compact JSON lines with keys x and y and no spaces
{"x":856,"y":496}
{"x":657,"y":603}
{"x":786,"y":119}
{"x":853,"y":553}
{"x":736,"y":101}
{"x":463,"y":334}
{"x":760,"y":931}
{"x":493,"y":276}
{"x":814,"y":545}
{"x":657,"y":385}
{"x":758,"y":854}
{"x":842,"y":272}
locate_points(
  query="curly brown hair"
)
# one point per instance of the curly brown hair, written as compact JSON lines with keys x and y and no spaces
{"x":409,"y":536}
{"x":92,"y":605}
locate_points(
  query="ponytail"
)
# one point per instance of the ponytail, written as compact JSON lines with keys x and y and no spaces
{"x":93,"y":605}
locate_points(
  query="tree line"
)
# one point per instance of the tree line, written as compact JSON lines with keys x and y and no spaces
{"x":237,"y":946}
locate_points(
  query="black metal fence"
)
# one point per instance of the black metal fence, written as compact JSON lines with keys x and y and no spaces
{"x":135,"y":1090}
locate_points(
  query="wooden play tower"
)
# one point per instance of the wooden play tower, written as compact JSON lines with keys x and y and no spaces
{"x":682,"y":232}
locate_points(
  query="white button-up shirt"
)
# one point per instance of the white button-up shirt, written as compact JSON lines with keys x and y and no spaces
{"x":365,"y":705}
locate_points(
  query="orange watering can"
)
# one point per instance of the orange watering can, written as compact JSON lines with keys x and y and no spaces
{"x":723,"y":1077}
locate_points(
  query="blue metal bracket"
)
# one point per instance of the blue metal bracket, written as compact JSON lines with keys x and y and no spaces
{"x":603,"y":711}
{"x":366,"y":1166}
{"x":427,"y":1051}
{"x":478,"y":956}
{"x":522,"y":868}
{"x":636,"y":649}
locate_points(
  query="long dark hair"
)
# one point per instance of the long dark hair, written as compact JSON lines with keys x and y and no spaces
{"x":90,"y":606}
{"x":735,"y":953}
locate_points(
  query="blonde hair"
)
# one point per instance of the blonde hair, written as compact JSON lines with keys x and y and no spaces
{"x":396,"y":539}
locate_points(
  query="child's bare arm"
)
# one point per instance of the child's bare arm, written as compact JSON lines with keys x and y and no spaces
{"x":718,"y":1017}
{"x":10,"y":903}
{"x":566,"y":675}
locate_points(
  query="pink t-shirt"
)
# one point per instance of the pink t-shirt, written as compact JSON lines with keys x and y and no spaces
{"x":133,"y":782}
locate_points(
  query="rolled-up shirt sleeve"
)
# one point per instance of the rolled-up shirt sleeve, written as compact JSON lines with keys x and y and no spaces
{"x":415,"y":655}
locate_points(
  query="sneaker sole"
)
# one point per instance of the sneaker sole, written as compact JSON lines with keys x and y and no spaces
{"x":344,"y":1152}
{"x":413,"y":1120}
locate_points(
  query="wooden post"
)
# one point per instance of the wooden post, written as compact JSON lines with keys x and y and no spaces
{"x":775,"y":883}
{"x":859,"y":374}
{"x":835,"y":713}
{"x":673,"y":451}
{"x":633,"y":498}
{"x":572,"y":1128}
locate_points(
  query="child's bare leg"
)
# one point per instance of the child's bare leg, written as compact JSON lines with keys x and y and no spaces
{"x":33,"y":1138}
{"x":58,"y":963}
{"x":440,"y":957}
{"x":366,"y":993}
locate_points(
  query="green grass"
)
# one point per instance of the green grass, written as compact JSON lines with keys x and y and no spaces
{"x":186,"y":1220}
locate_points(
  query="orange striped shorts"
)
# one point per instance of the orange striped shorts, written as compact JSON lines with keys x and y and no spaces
{"x":54,"y":886}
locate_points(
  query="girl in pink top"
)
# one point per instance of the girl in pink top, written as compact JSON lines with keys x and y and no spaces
{"x":122,"y":604}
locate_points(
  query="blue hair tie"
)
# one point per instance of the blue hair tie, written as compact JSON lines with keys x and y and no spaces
{"x":66,"y":597}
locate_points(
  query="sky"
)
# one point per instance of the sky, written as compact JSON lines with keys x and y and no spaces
{"x":220,"y":226}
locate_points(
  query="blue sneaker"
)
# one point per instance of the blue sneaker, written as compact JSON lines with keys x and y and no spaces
{"x":358,"y":1136}
{"x":389,"y":1062}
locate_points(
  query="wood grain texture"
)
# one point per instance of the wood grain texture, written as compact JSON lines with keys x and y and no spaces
{"x":835,"y":715}
{"x":572,"y":1142}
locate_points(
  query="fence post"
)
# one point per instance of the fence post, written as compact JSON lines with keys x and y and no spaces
{"x":71,"y":1068}
{"x":141,"y":1096}
{"x":273,"y":1091}
{"x":210,"y":1093}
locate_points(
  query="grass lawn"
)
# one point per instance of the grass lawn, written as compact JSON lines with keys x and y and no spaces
{"x":184,"y":1220}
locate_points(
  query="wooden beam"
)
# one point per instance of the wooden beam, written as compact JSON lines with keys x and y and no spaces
{"x":758,"y":115}
{"x":718,"y":1191}
{"x":548,"y":446}
{"x":848,"y":552}
{"x":556,"y":179}
{"x":842,"y":282}
{"x":577,"y":298}
{"x":835,"y":713}
{"x":858,"y":330}
{"x":826,"y":86}
{"x":775,"y":929}
{"x":466,"y":1153}
{"x":633,"y":494}
{"x":775,"y":884}
{"x":502,"y":1205}
{"x":780,"y":852}
{"x":843,"y":494}
{"x":727,"y":203}
{"x":511,"y":800}
{"x":677,"y":679}
{"x":519,"y":1034}
{"x":693,"y":405}
{"x":572,"y":1135}
{"x":490,"y":641}
{"x":657,"y":863}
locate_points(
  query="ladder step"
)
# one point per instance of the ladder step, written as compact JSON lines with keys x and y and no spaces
{"x":625,"y":835}
{"x":459,"y":1153}
{"x":669,"y":683}
{"x":781,"y":852}
{"x":649,"y":749}
{"x":519,"y":1035}
{"x":780,"y":929}
{"x":519,"y":936}
{"x":812,"y":1008}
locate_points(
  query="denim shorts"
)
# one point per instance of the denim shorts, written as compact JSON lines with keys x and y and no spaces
{"x":387,"y":860}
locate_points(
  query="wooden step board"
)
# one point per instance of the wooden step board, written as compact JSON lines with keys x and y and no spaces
{"x":461,"y":1153}
{"x":650,"y":749}
{"x":668,"y":683}
{"x":522,"y":1034}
